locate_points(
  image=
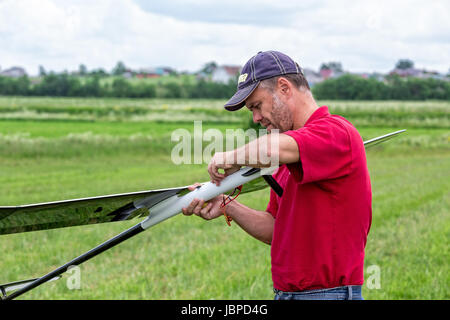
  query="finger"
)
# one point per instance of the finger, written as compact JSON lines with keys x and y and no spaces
{"x":199,"y":207}
{"x":192,"y":205}
{"x":213,"y":171}
{"x":231,"y":171}
{"x":205,"y":211}
{"x":217,"y":179}
{"x":194,"y":186}
{"x":186,"y":212}
{"x":207,"y":207}
{"x":217,"y":173}
{"x":210,"y":172}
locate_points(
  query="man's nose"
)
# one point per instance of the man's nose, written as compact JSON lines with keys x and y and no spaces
{"x":256,"y":117}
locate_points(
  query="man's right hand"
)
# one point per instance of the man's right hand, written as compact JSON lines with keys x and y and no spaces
{"x":207,"y":210}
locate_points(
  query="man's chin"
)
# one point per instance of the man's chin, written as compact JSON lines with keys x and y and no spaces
{"x":270,"y":127}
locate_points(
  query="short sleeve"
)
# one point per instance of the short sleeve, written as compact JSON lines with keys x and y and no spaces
{"x":325,"y":151}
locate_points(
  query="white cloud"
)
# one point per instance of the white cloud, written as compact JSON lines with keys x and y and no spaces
{"x":363,"y":35}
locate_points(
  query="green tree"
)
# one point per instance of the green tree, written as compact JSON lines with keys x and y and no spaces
{"x":92,"y":87}
{"x":172,"y":90}
{"x":119,"y":69}
{"x":99,"y":72}
{"x":143,"y":90}
{"x":121,"y":88}
{"x":352,"y":87}
{"x":209,"y":67}
{"x":59,"y":85}
{"x":82,"y":70}
{"x":404,"y":64}
{"x":42,"y":72}
{"x":14,"y":86}
{"x":333,"y":65}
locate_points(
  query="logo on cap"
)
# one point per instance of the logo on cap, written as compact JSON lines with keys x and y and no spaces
{"x":242,"y":77}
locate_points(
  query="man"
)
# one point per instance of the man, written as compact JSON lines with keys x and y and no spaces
{"x":318,"y":228}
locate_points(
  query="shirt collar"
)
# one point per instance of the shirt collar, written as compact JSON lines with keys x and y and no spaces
{"x":319,"y":113}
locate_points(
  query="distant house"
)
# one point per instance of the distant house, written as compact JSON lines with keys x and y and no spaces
{"x":330,"y":73}
{"x":364,"y":75}
{"x":425,"y":74}
{"x":14,"y":72}
{"x":312,"y":77}
{"x":154,"y":72}
{"x":409,"y":72}
{"x":168,"y":70}
{"x":224,"y":74}
{"x":326,"y":73}
{"x":128,"y":74}
{"x":377,"y":76}
{"x":418,"y":73}
{"x":203,"y":76}
{"x":149,"y":73}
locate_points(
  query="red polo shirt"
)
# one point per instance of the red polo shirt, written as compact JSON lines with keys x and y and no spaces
{"x":323,"y":218}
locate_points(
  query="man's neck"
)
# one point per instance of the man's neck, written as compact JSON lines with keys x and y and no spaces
{"x":304,"y":107}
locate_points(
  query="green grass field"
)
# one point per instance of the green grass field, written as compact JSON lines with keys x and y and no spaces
{"x":56,"y":148}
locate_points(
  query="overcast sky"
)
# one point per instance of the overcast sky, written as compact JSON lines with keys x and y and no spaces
{"x":185,"y":34}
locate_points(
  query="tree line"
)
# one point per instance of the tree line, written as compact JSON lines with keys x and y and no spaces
{"x":352,"y":87}
{"x":346,"y":87}
{"x":65,"y":85}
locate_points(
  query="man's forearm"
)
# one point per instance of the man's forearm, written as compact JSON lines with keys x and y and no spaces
{"x":266,"y":151}
{"x":258,"y":224}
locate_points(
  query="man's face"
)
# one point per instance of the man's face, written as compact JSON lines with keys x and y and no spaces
{"x":269,"y":110}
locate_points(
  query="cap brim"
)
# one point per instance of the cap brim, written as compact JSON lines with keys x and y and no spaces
{"x":238,"y":100}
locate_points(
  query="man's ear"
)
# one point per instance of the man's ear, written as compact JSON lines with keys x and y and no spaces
{"x":284,"y":87}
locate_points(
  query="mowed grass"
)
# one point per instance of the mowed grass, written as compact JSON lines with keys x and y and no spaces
{"x":187,"y":257}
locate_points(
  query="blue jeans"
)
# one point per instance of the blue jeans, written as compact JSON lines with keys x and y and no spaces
{"x":339,"y":293}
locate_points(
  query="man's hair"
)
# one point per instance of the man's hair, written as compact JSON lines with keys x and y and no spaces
{"x":297,"y":79}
